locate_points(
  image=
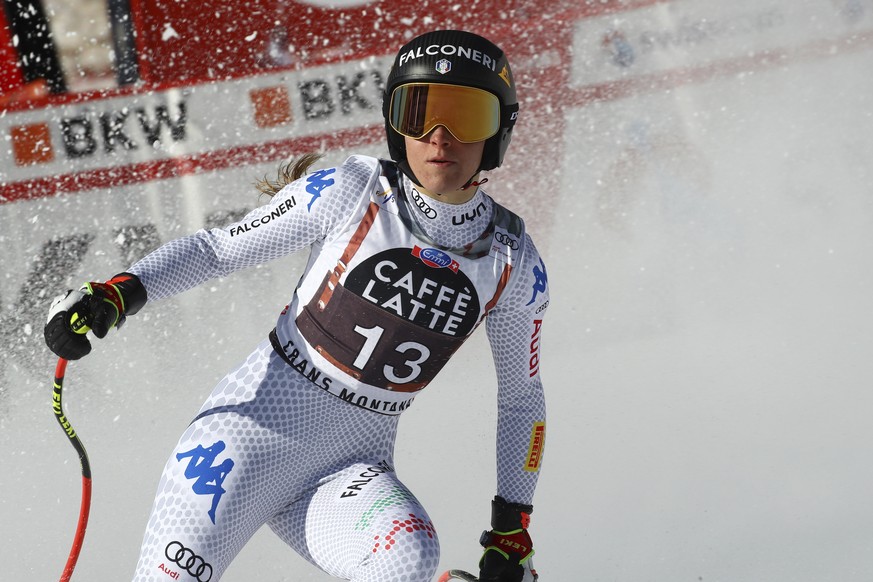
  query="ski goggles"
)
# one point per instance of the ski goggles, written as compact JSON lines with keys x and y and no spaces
{"x":468,"y":113}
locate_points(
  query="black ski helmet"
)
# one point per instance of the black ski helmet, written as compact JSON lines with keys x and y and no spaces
{"x":475,"y":62}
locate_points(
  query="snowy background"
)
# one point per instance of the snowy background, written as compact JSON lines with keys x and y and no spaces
{"x":707,"y":354}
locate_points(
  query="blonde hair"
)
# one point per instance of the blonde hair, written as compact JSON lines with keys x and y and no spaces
{"x":289,"y":171}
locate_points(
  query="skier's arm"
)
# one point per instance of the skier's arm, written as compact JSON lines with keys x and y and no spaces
{"x":302,"y":213}
{"x":514,"y":331}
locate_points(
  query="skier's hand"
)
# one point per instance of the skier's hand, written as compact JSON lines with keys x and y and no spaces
{"x":96,"y":307}
{"x":508,"y":547}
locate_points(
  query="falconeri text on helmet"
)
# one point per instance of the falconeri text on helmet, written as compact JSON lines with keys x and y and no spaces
{"x":450,"y":50}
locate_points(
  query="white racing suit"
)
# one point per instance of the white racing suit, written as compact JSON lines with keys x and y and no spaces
{"x":300,"y":436}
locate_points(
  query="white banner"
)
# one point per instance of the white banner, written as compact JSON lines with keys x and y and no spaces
{"x":685,"y":34}
{"x":121,"y":130}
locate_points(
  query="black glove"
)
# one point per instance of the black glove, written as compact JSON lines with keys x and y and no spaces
{"x":508,"y":547}
{"x":96,"y":307}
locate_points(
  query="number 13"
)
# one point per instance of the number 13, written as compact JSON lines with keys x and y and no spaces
{"x":372,"y":336}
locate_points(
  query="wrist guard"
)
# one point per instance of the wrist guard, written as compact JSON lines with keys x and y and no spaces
{"x":508,"y":546}
{"x":125,"y":292}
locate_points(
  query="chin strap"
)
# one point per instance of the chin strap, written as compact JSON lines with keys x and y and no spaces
{"x":473,"y":183}
{"x":404,"y":167}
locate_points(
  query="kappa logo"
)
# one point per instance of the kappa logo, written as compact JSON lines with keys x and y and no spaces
{"x":541,"y":281}
{"x":316,"y":182}
{"x":208,"y":477}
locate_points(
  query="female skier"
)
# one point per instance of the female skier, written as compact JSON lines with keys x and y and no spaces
{"x":408,"y":256}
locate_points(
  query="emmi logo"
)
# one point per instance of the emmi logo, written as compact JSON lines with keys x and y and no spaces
{"x":88,"y":133}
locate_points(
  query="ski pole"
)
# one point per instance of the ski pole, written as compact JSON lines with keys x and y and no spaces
{"x":85,"y":506}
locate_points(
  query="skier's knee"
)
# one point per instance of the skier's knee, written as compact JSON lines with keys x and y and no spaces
{"x":410,"y":552}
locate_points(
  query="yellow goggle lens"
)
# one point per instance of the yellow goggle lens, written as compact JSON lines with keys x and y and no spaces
{"x":470,"y":114}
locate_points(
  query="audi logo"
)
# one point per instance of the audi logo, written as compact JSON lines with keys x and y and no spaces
{"x":423,"y":206}
{"x":189,"y":561}
{"x":506,"y":240}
